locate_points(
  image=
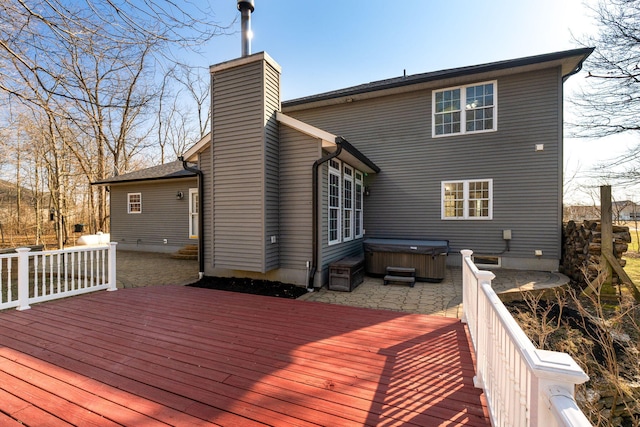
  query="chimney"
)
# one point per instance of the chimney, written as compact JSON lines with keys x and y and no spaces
{"x":246,"y":7}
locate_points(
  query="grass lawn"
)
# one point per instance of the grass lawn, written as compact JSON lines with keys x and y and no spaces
{"x":633,"y":259}
{"x":633,"y":269}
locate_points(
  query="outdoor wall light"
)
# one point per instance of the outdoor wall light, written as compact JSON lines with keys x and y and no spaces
{"x":179,"y":195}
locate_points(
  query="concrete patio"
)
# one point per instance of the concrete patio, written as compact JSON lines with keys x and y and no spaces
{"x":137,"y":269}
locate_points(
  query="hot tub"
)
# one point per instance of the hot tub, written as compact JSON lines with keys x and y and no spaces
{"x":428,"y":257}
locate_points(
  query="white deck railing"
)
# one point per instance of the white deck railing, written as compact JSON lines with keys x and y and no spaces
{"x":30,"y":277}
{"x":523,"y":386}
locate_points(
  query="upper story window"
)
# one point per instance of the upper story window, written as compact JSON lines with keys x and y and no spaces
{"x":471,"y":199}
{"x":465,"y":109}
{"x":134,"y":203}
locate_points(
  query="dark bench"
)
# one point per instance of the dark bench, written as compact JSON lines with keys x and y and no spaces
{"x":346,"y":274}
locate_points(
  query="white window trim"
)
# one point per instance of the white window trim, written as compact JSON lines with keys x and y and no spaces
{"x":349,"y":178}
{"x":358,"y":212}
{"x":129,"y":203}
{"x":193,"y":192}
{"x":338,"y":174}
{"x":463,"y":111}
{"x":465,"y":209}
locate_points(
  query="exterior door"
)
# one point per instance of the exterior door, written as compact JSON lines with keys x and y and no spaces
{"x":193,"y":213}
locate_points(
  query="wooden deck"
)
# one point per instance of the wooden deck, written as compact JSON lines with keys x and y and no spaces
{"x":171,"y":355}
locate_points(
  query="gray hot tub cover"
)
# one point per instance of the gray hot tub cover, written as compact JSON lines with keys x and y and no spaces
{"x":429,"y":247}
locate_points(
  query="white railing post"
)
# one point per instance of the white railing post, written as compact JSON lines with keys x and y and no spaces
{"x":482,"y":319}
{"x":523,"y":386}
{"x":564,"y":408}
{"x":112,"y":267}
{"x":466,"y":253}
{"x":555,"y":376}
{"x":472,"y":281}
{"x":23,"y":278}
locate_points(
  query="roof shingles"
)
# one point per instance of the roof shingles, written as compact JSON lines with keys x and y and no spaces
{"x":165,"y":171}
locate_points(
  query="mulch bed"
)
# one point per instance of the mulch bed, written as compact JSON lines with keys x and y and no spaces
{"x":251,"y":286}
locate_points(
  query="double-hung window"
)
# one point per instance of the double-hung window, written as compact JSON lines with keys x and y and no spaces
{"x":334,"y":201}
{"x":345,"y":202}
{"x":359,"y":231}
{"x":472,"y":199}
{"x":465,"y":109}
{"x":134,"y":203}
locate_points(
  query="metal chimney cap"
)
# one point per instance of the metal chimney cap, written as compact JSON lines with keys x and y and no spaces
{"x":250,"y":4}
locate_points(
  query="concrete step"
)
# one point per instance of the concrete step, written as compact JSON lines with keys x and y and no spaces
{"x":187,"y":257}
{"x":410,"y":280}
{"x":401,"y":271}
{"x":186,"y":252}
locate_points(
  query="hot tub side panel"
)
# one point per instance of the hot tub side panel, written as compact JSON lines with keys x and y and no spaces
{"x":426,"y":256}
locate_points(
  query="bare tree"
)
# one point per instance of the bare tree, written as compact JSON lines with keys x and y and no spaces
{"x":183,"y":113}
{"x":608,"y":103}
{"x":196,"y":83}
{"x":87,"y":71}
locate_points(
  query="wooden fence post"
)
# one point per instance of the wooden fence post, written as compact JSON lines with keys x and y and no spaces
{"x":606,"y":228}
{"x":608,"y":262}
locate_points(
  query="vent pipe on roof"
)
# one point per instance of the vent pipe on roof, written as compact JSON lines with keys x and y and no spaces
{"x":246,"y":7}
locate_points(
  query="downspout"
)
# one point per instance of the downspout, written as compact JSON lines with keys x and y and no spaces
{"x":200,"y":215}
{"x":314,"y":195}
{"x":572,"y":72}
{"x":577,"y":69}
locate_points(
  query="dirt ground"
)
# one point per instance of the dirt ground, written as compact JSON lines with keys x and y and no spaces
{"x":250,"y":286}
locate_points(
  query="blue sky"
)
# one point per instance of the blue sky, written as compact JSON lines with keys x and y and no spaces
{"x":330,"y":44}
{"x":324,"y":45}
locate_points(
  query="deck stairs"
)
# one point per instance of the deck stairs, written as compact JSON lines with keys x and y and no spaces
{"x":189,"y":252}
{"x":400,"y":275}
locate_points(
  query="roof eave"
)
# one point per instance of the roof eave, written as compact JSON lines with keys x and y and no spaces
{"x":329,"y":141}
{"x":191,"y":155}
{"x":129,"y":181}
{"x":569,"y":61}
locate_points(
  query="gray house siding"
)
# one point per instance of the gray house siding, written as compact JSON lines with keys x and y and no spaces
{"x":297,"y":154}
{"x":336,"y":251}
{"x":205,"y":163}
{"x":244,"y":195}
{"x":162,"y":216}
{"x":395,"y":132}
{"x":271,"y":190}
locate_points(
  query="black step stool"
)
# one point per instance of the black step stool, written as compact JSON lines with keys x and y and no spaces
{"x":401,"y":275}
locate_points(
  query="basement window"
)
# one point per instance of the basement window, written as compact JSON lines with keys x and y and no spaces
{"x":486,"y":261}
